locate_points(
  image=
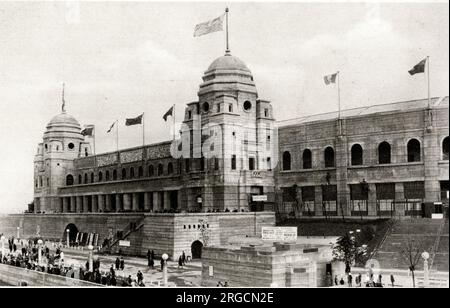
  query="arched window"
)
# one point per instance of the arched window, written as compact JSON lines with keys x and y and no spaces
{"x":124,"y":173}
{"x":140,"y":172}
{"x":286,"y":161}
{"x":107,"y":175}
{"x":384,"y":153}
{"x":69,"y":180}
{"x":329,"y":157}
{"x":151,"y":171}
{"x":114,"y":175}
{"x":131,"y":173}
{"x":160,"y":169}
{"x":100,"y":176}
{"x":169,"y":168}
{"x":80,"y":179}
{"x":85,"y":178}
{"x":92,"y":177}
{"x":445,"y":148}
{"x":413,"y":150}
{"x":357,"y":155}
{"x":307,"y":159}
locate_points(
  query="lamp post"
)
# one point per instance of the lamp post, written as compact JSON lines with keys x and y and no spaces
{"x":68,"y":237}
{"x":40,"y":242}
{"x":165,"y":257}
{"x":426,"y":280}
{"x":2,"y":239}
{"x":18,"y":232}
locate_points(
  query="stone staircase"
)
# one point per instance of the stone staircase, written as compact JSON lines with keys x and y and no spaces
{"x":430,"y":233}
{"x":127,"y":231}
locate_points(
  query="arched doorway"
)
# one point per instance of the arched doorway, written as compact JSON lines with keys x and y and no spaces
{"x":196,"y":249}
{"x":73,"y":231}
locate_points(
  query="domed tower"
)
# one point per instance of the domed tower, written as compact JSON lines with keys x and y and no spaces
{"x":53,"y":163}
{"x":234,"y":128}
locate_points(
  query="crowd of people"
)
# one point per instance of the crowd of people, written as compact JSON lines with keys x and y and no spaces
{"x":357,"y":281}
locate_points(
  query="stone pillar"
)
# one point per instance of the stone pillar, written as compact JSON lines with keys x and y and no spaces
{"x":101,"y":203}
{"x":318,"y":206}
{"x":66,"y":207}
{"x":126,"y":202}
{"x":108,"y":203}
{"x":135,"y":204}
{"x":179,"y":199}
{"x":79,"y":204}
{"x":166,"y":200}
{"x":119,"y":203}
{"x":94,"y":203}
{"x":147,"y":201}
{"x":156,"y":201}
{"x":73,"y":204}
{"x":85,"y":204}
{"x":399,"y":196}
{"x":372,"y":200}
{"x":341,"y":162}
{"x":430,"y":155}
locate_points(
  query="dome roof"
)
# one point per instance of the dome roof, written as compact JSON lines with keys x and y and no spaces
{"x":63,"y":118}
{"x":228,"y":62}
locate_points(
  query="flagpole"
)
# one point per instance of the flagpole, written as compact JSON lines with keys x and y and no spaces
{"x":339,"y":95}
{"x":226,"y":30}
{"x":174,"y":129}
{"x":428,"y":80}
{"x":117,"y":135}
{"x":143,"y":129}
{"x":94,"y":138}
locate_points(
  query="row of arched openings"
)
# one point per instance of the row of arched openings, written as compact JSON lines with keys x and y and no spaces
{"x":129,"y":173}
{"x":356,"y":154}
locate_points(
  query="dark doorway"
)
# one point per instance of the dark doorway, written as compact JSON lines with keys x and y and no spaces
{"x":196,"y":249}
{"x":173,"y":195}
{"x":73,"y":231}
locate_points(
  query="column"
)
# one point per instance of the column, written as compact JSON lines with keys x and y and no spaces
{"x":399,"y":196}
{"x":101,"y":203}
{"x":108,"y":203}
{"x":318,"y":201}
{"x":341,"y":162}
{"x":135,"y":202}
{"x":156,"y":201}
{"x":73,"y":204}
{"x":179,"y":200}
{"x":85,"y":204}
{"x":372,"y":200}
{"x":167,"y":200}
{"x":431,"y":154}
{"x":79,"y":204}
{"x":126,"y":202}
{"x":147,"y":201}
{"x":66,"y":207}
{"x":94,"y":204}
{"x":119,"y":203}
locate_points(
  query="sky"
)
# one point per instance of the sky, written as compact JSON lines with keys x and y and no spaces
{"x":119,"y":59}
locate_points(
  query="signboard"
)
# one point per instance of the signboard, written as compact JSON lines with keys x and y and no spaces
{"x":211,"y":271}
{"x":199,"y":200}
{"x":437,"y":216}
{"x":281,"y":234}
{"x":259,"y":198}
{"x":124,"y":243}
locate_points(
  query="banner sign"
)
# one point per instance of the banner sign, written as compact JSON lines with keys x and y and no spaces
{"x":124,"y":243}
{"x":282,"y":234}
{"x":259,"y":198}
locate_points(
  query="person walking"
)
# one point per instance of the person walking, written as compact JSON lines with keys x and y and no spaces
{"x":183,"y":256}
{"x":122,"y":263}
{"x":349,"y":280}
{"x":335,"y":280}
{"x":140,"y":277}
{"x":117,"y":263}
{"x":392,"y":280}
{"x":380,"y":281}
{"x":180,"y":262}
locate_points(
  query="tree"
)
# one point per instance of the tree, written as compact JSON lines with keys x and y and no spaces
{"x":348,"y":251}
{"x":411,"y":253}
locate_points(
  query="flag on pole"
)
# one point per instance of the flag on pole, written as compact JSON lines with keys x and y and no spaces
{"x":168,"y":113}
{"x":134,"y":121}
{"x":213,"y":25}
{"x":418,"y":68}
{"x":111,"y":127}
{"x":88,"y":130}
{"x":330,"y":78}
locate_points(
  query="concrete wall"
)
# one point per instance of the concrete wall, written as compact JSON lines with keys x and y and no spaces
{"x":14,"y":276}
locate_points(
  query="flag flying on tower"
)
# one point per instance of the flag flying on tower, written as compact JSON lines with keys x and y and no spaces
{"x":134,"y":121}
{"x":111,"y":127}
{"x":418,"y":68}
{"x":168,"y":113}
{"x":213,"y":25}
{"x":330,"y":78}
{"x":88,"y":130}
